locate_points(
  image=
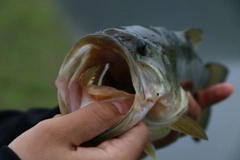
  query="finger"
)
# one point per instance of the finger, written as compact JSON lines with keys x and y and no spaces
{"x":214,"y":94}
{"x":193,"y":107}
{"x":127,"y":146}
{"x":136,"y":138}
{"x":187,"y":85}
{"x":88,"y":122}
{"x":57,"y":115}
{"x":131,"y":143}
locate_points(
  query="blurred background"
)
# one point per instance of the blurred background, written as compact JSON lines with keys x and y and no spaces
{"x":33,"y":43}
{"x":35,"y":36}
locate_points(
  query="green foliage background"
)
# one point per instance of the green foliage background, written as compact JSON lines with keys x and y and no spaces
{"x":33,"y":44}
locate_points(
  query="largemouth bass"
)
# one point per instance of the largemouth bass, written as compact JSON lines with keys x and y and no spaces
{"x":140,"y":70}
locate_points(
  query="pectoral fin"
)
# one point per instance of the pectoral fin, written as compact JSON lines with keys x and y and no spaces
{"x":150,"y":150}
{"x":188,"y":126}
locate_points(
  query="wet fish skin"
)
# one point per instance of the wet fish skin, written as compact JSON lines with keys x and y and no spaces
{"x":167,"y":48}
{"x":153,"y":62}
{"x":170,"y":55}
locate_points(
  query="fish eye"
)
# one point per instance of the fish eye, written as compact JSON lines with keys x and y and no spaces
{"x":141,"y":47}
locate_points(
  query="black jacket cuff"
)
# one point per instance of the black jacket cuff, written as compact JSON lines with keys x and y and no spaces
{"x":7,"y":154}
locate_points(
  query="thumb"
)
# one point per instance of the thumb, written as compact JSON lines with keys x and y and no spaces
{"x":88,"y":122}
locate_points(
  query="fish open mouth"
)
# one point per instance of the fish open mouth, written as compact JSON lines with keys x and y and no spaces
{"x":106,"y":67}
{"x":97,"y":69}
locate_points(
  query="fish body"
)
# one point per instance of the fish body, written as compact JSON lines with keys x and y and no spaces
{"x":140,"y":70}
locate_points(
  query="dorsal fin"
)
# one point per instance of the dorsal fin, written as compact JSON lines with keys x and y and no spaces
{"x":194,"y":35}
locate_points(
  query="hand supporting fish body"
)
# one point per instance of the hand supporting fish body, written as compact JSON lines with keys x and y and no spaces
{"x":139,"y":70}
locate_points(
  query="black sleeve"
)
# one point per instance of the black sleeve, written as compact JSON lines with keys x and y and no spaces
{"x":13,"y":123}
{"x":7,"y":154}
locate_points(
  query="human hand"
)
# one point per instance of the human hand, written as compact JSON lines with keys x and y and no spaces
{"x":60,"y":137}
{"x":204,"y":98}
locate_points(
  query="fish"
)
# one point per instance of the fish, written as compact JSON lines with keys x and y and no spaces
{"x":141,"y":70}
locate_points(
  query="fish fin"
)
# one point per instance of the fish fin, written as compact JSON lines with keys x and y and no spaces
{"x":204,"y":119}
{"x":149,"y":149}
{"x":218,"y":74}
{"x":194,"y":35}
{"x":188,"y":126}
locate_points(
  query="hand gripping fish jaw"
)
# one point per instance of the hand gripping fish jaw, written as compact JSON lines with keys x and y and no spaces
{"x":135,"y":74}
{"x":99,"y":68}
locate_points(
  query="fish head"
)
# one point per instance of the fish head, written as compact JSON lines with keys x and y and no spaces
{"x":127,"y":70}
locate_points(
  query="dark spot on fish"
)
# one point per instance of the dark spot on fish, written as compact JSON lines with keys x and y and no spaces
{"x":157,"y":94}
{"x":141,"y":47}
